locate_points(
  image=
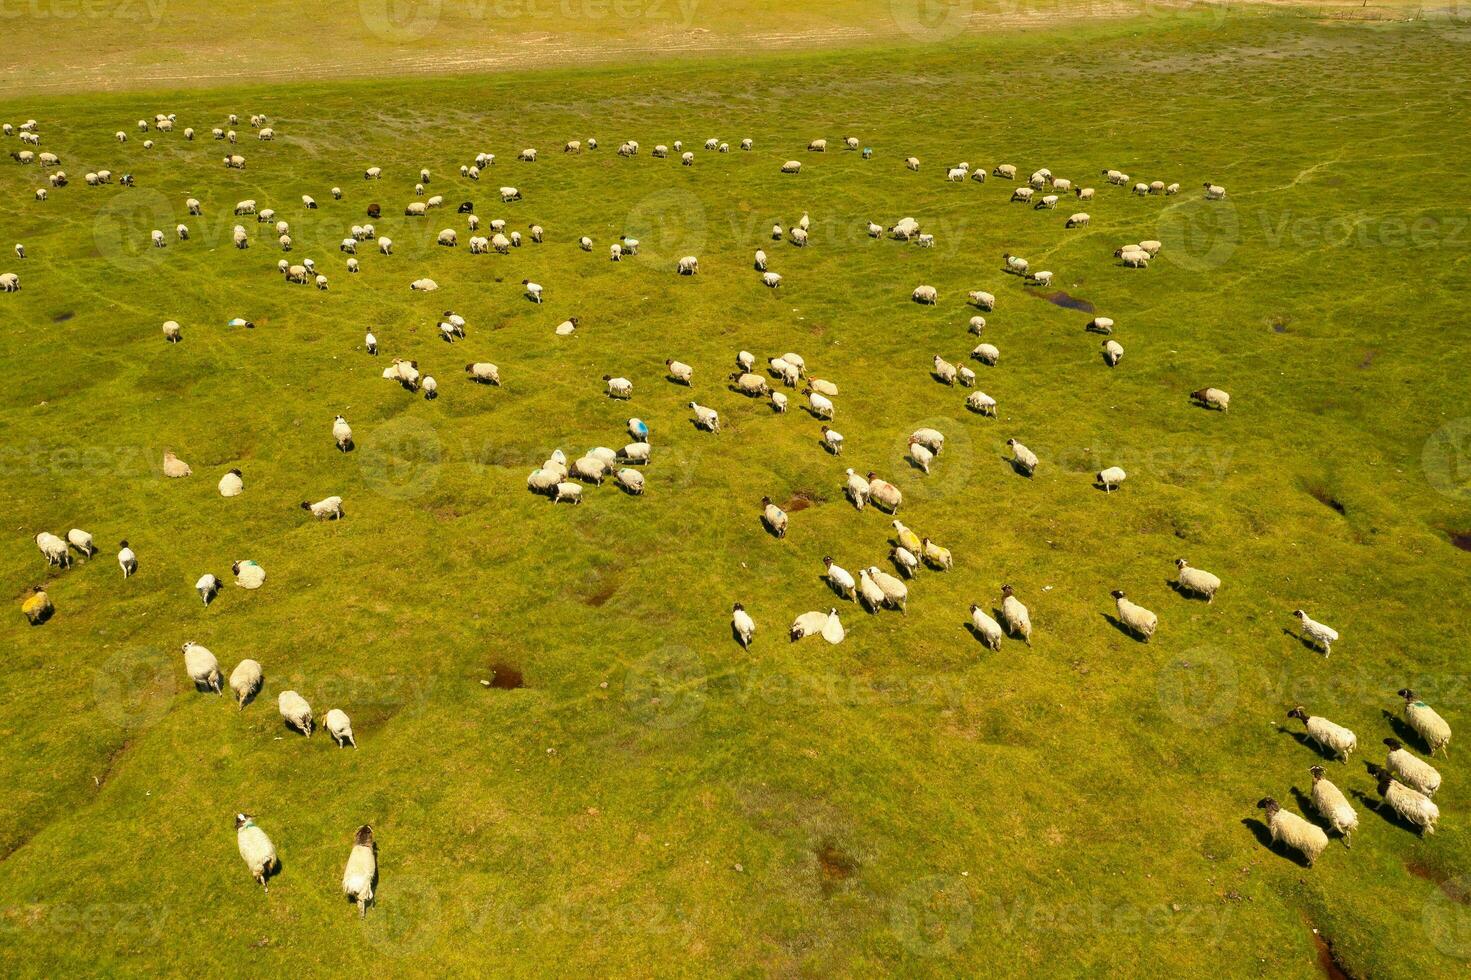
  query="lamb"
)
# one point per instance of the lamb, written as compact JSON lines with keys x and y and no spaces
{"x":342,"y":433}
{"x":208,"y":586}
{"x":1078,"y":219}
{"x":295,"y":712}
{"x":981,"y":403}
{"x":679,"y":371}
{"x":884,"y":494}
{"x":1113,"y":352}
{"x":1288,"y":828}
{"x":875,"y":231}
{"x":328,"y":508}
{"x":568,"y":492}
{"x":1138,"y":620}
{"x":986,"y":629}
{"x":927,"y":295}
{"x":689,"y":265}
{"x":340,"y":728}
{"x":840,"y":579}
{"x":1414,"y":772}
{"x":174,"y":467}
{"x":1196,"y":581}
{"x":256,"y":849}
{"x":126,"y":559}
{"x":1413,"y":807}
{"x":1024,"y":459}
{"x":245,"y":681}
{"x":632,"y":481}
{"x":362,"y":869}
{"x":1426,"y":722}
{"x":1014,"y":615}
{"x":203,"y":668}
{"x":857,"y":489}
{"x":904,"y":560}
{"x":982,"y":300}
{"x":533,"y":290}
{"x":1110,"y":478}
{"x":705,"y":418}
{"x":1212,"y":398}
{"x":1334,"y":739}
{"x":774,"y":517}
{"x":1317,"y":634}
{"x":832,"y":440}
{"x":483,"y":372}
{"x":820,"y":406}
{"x":896,"y":593}
{"x":791,"y":167}
{"x":921,"y":455}
{"x":53,"y":549}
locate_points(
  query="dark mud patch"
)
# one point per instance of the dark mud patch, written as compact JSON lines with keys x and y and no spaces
{"x":1367,"y":361}
{"x":1062,"y":299}
{"x":1278,"y":323}
{"x":1327,"y":959}
{"x":835,"y":865}
{"x":506,"y":677}
{"x":63,"y":317}
{"x":1325,"y":498}
{"x":607,"y":588}
{"x":1461,"y":539}
{"x":800,"y":500}
{"x":1453,"y":889}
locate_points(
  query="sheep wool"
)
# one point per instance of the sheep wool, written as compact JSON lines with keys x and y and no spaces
{"x":774,"y":516}
{"x":362,"y":869}
{"x":53,"y":549}
{"x":1140,"y":621}
{"x":1306,"y":838}
{"x":37,"y":607}
{"x":232,"y":484}
{"x":203,"y":668}
{"x":1317,"y":633}
{"x":1413,"y":807}
{"x":884,"y":494}
{"x":896,"y":593}
{"x":1197,"y":581}
{"x":1426,"y":722}
{"x":840,"y":579}
{"x":245,"y":681}
{"x":857,"y":489}
{"x":1212,"y":398}
{"x":1025,"y":459}
{"x":1414,"y":772}
{"x":1335,"y":739}
{"x":174,"y":467}
{"x":296,"y":712}
{"x":256,"y":849}
{"x":1015,"y":616}
{"x":872,"y":595}
{"x":126,"y":559}
{"x":1110,"y":478}
{"x":1333,"y":806}
{"x":743,"y":625}
{"x":340,"y":728}
{"x":987,"y":630}
{"x":248,"y":574}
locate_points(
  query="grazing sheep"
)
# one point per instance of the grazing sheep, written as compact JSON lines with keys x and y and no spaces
{"x":1413,"y":807}
{"x":789,"y":373}
{"x":896,"y":593}
{"x":295,"y":712}
{"x":171,"y":331}
{"x":1214,"y":192}
{"x":362,"y":863}
{"x":1138,"y":620}
{"x":1023,"y":458}
{"x":328,"y":508}
{"x":483,"y":372}
{"x":791,"y":167}
{"x":856,"y":489}
{"x":689,"y":265}
{"x":1150,"y":247}
{"x":544,"y":480}
{"x":245,"y":681}
{"x":1099,"y":324}
{"x":832,"y":440}
{"x":981,"y":403}
{"x":1113,"y":352}
{"x":208,"y":586}
{"x":1023,"y":194}
{"x":1078,"y":219}
{"x":533,"y":290}
{"x":1048,"y":202}
{"x":1212,"y":398}
{"x":37,"y":607}
{"x":244,"y":207}
{"x":448,"y":237}
{"x":431,"y":388}
{"x":203,"y":668}
{"x":986,"y":629}
{"x":423,"y":285}
{"x":679,"y":371}
{"x":632,"y":481}
{"x":799,"y":237}
{"x":1015,"y":265}
{"x":342,"y":433}
{"x":1133,"y":258}
{"x":256,"y":849}
{"x":1141,"y":189}
{"x":1334,"y":739}
{"x":1014,"y":615}
{"x":774,"y":517}
{"x":705,"y":418}
{"x":982,"y":300}
{"x":241,"y":239}
{"x":926,"y":295}
{"x":158,"y":239}
{"x":1005,"y":171}
{"x":126,"y":559}
{"x":1414,"y":772}
{"x":1426,"y":722}
{"x":568,"y":492}
{"x":537,"y":233}
{"x":870,"y":595}
{"x":1288,"y":828}
{"x":912,"y":163}
{"x":340,"y":728}
{"x":750,"y":384}
{"x":174,"y":467}
{"x":1333,"y":806}
{"x":183,"y":232}
{"x":1317,"y":633}
{"x":1197,"y":581}
{"x":1115,"y":176}
{"x":618,"y":387}
{"x":53,"y":549}
{"x":509,"y":194}
{"x":1110,"y":478}
{"x":816,"y":146}
{"x":884,"y":494}
{"x":778,"y":402}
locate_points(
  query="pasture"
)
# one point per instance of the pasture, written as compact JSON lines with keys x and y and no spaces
{"x":633,"y":792}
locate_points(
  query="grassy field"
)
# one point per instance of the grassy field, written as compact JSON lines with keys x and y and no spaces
{"x":652,"y":799}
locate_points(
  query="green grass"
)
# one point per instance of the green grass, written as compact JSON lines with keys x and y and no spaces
{"x":905,"y":802}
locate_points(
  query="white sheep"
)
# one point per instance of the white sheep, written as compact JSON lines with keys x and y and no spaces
{"x":689,"y":265}
{"x":1317,"y":633}
{"x":921,"y":455}
{"x":1043,"y":279}
{"x":342,"y":433}
{"x":1015,"y":265}
{"x":53,"y":549}
{"x":1023,"y":458}
{"x":1214,"y":192}
{"x":618,"y":387}
{"x":533,"y":290}
{"x":567,"y":492}
{"x":1288,"y":828}
{"x":912,"y":163}
{"x":884,"y":494}
{"x":986,"y":629}
{"x":127,"y":560}
{"x":1113,"y":352}
{"x":1078,"y":219}
{"x":245,"y":681}
{"x":1212,"y":398}
{"x":484,"y":372}
{"x":158,"y":239}
{"x":904,"y":560}
{"x":856,"y":489}
{"x":1414,"y":807}
{"x":832,"y":440}
{"x":1023,"y":194}
{"x":1334,"y":739}
{"x":819,"y":405}
{"x":174,"y":467}
{"x":792,"y":167}
{"x":705,"y":417}
{"x":362,"y":869}
{"x":943,"y":370}
{"x":340,"y":728}
{"x":1099,"y":324}
{"x":423,"y":285}
{"x":296,"y":712}
{"x":982,"y":300}
{"x":1333,"y":806}
{"x":896,"y":593}
{"x":1426,"y":722}
{"x":1197,"y":581}
{"x":208,"y":586}
{"x":82,"y":541}
{"x":328,"y":508}
{"x":448,"y":237}
{"x":203,"y":668}
{"x":509,"y":194}
{"x":778,"y":402}
{"x":171,"y":331}
{"x":982,"y":403}
{"x":926,"y":295}
{"x":1138,"y":620}
{"x":771,"y":280}
{"x":1414,"y":772}
{"x":840,"y":579}
{"x":1015,"y":616}
{"x":256,"y":849}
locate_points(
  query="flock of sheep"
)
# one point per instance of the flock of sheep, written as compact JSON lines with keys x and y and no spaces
{"x":1405,"y":782}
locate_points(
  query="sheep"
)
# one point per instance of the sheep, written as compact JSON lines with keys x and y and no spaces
{"x":1023,"y":194}
{"x":1015,"y":265}
{"x":336,"y":193}
{"x":208,"y":586}
{"x":234,"y":162}
{"x":986,"y":629}
{"x":342,"y":433}
{"x":1196,"y":581}
{"x":515,"y":239}
{"x":537,"y":233}
{"x":816,"y":146}
{"x":245,"y":681}
{"x":791,"y":167}
{"x":631,"y":481}
{"x":308,"y":202}
{"x":987,"y":354}
{"x":912,"y":163}
{"x":256,"y":849}
{"x":53,"y":549}
{"x":533,"y":290}
{"x":37,"y":607}
{"x":1214,"y":192}
{"x":1078,"y":219}
{"x":171,"y":331}
{"x":24,"y":157}
{"x":82,"y":541}
{"x":423,"y":285}
{"x":884,"y":494}
{"x":1048,"y":202}
{"x":416,"y":209}
{"x":182,"y":231}
{"x":982,"y":300}
{"x":1005,"y":171}
{"x":923,"y":241}
{"x":1412,"y":806}
{"x":431,"y":388}
{"x":1331,"y":738}
{"x":750,"y":384}
{"x":856,"y":489}
{"x":705,"y":417}
{"x":871,"y":596}
{"x":679,"y":371}
{"x":126,"y":559}
{"x":1039,"y":178}
{"x":340,"y":728}
{"x":1115,"y":176}
{"x":1113,"y":352}
{"x":955,"y":174}
{"x":1414,"y":772}
{"x":1426,"y":722}
{"x":544,"y":480}
{"x":295,"y":273}
{"x":771,"y":280}
{"x":1150,"y":247}
{"x":448,"y":237}
{"x":1315,"y":633}
{"x":799,"y":237}
{"x":936,"y":557}
{"x":509,"y":194}
{"x":590,"y":468}
{"x":926,"y":295}
{"x":362,"y":867}
{"x":248,"y":574}
{"x":875,"y":230}
{"x":203,"y":668}
{"x":1133,"y":258}
{"x":789,"y":373}
{"x":774,"y":517}
{"x":1042,"y":279}
{"x":778,"y":403}
{"x":689,"y":265}
{"x":896,"y":593}
{"x":978,"y":175}
{"x":820,"y":406}
{"x":1141,"y":189}
{"x":567,"y":327}
{"x":1024,"y":459}
{"x":687,"y":158}
{"x":618,"y":387}
{"x":285,"y":243}
{"x":981,"y":403}
{"x":635,"y":452}
{"x":1099,"y":324}
{"x":48,"y":160}
{"x":568,"y":492}
{"x":1288,"y":828}
{"x":483,"y":372}
{"x":295,"y":711}
{"x":174,"y":467}
{"x":40,"y":193}
{"x":241,"y":239}
{"x":1333,"y":806}
{"x":904,"y":560}
{"x":832,"y":440}
{"x":1138,"y":620}
{"x":1212,"y":398}
{"x":328,"y":508}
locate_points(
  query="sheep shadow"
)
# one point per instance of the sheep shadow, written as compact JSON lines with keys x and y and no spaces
{"x":979,"y":636}
{"x":346,"y":447}
{"x":1017,"y":467}
{"x":1304,"y":640}
{"x":835,"y":588}
{"x":1263,"y":836}
{"x":940,"y":379}
{"x":44,"y":616}
{"x":1404,"y":732}
{"x":831,"y":449}
{"x":915,"y":464}
{"x":1119,"y":625}
{"x":1388,"y":814}
{"x":735,"y":634}
{"x":1185,"y":593}
{"x":1301,"y":738}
